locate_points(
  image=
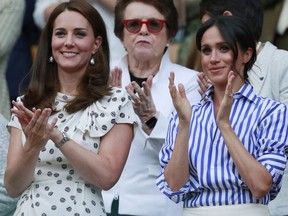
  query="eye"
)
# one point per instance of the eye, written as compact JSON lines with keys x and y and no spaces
{"x":133,"y":24}
{"x":224,"y":48}
{"x":205,"y":50}
{"x":154,"y":23}
{"x":60,"y":33}
{"x":80,"y":34}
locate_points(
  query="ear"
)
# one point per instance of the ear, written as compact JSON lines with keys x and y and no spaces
{"x":227,"y":13}
{"x":97,"y":44}
{"x":247,"y":55}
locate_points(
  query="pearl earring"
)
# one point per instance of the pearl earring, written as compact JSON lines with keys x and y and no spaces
{"x":51,"y":59}
{"x":92,"y":61}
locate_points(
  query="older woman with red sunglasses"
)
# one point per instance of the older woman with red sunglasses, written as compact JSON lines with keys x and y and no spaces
{"x":146,"y":27}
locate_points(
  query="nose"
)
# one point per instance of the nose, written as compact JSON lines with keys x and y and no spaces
{"x":69,"y":41}
{"x":144,"y":29}
{"x":214,"y":57}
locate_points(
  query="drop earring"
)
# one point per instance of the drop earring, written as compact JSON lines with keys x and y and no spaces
{"x":51,"y":59}
{"x":92,"y":61}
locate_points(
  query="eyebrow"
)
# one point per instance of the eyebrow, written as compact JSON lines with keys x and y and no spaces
{"x":217,"y":44}
{"x":77,"y":29}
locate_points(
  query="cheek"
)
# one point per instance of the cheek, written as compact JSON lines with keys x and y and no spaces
{"x":204,"y":61}
{"x":56,"y":44}
{"x":228,"y":59}
{"x":161,"y":39}
{"x":128,"y":42}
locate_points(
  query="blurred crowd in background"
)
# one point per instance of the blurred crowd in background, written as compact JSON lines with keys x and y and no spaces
{"x":21,"y":26}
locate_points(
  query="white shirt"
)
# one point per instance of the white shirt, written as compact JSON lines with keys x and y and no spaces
{"x":136,"y":188}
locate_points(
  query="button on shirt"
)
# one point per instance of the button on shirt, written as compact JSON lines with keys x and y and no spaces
{"x":262,"y":126}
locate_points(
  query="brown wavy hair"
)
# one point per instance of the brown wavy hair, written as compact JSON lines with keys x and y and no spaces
{"x":44,"y":83}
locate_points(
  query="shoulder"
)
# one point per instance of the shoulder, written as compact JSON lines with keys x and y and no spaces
{"x":272,"y":60}
{"x":100,"y":116}
{"x":272,"y":106}
{"x":116,"y":103}
{"x":272,"y":53}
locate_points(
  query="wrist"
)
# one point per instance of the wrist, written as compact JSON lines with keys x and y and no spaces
{"x":151,"y":122}
{"x":61,"y":141}
{"x":224,"y":125}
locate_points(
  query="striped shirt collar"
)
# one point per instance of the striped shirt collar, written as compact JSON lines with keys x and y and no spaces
{"x":245,"y":91}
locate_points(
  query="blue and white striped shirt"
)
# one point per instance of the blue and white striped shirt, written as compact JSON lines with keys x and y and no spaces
{"x":262,"y":126}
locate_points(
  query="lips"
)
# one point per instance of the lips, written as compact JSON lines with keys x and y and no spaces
{"x":143,"y":42}
{"x":215,"y":69}
{"x":69,"y":54}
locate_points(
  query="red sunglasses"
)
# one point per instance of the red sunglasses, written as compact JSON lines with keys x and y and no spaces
{"x":153,"y":25}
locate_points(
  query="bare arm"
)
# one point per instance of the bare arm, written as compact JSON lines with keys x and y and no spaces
{"x":102,"y":169}
{"x":259,"y":182}
{"x":177,"y":170}
{"x":22,"y":159}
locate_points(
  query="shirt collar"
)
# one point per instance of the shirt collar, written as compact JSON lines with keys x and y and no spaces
{"x":245,"y":91}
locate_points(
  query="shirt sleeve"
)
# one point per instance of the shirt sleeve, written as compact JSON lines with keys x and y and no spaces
{"x":101,"y":116}
{"x":272,"y":142}
{"x":164,"y":157}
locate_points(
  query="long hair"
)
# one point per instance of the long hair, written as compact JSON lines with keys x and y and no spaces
{"x":235,"y":33}
{"x":44,"y":83}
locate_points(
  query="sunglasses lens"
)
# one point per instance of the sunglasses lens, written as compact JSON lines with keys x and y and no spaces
{"x":154,"y":26}
{"x":133,"y":25}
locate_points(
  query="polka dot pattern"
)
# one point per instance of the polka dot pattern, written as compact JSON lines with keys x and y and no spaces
{"x":57,"y":188}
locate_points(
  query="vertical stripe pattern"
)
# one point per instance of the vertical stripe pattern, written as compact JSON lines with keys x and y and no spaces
{"x":261,"y":125}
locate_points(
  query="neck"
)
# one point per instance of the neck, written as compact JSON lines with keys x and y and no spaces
{"x":69,"y":83}
{"x":142,"y":68}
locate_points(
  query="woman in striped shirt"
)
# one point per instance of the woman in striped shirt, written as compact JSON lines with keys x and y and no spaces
{"x":228,"y":150}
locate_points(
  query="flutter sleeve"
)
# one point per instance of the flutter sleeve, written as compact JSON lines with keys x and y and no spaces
{"x":103,"y":114}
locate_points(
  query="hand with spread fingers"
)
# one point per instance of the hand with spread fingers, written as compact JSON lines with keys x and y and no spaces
{"x":64,"y":123}
{"x":227,"y":101}
{"x":142,"y":99}
{"x":146,"y":29}
{"x":179,"y":99}
{"x":203,"y":82}
{"x":228,"y":135}
{"x":116,"y":77}
{"x":34,"y":124}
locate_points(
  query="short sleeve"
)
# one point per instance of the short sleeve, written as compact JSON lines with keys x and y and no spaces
{"x":103,"y":114}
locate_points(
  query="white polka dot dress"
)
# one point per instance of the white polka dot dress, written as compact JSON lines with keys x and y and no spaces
{"x":57,"y":188}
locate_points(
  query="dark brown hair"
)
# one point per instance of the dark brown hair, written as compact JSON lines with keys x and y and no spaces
{"x":44,"y":83}
{"x":236,"y":34}
{"x":165,"y":7}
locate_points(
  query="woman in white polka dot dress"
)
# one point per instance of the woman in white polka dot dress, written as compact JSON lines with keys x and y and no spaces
{"x":70,"y":131}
